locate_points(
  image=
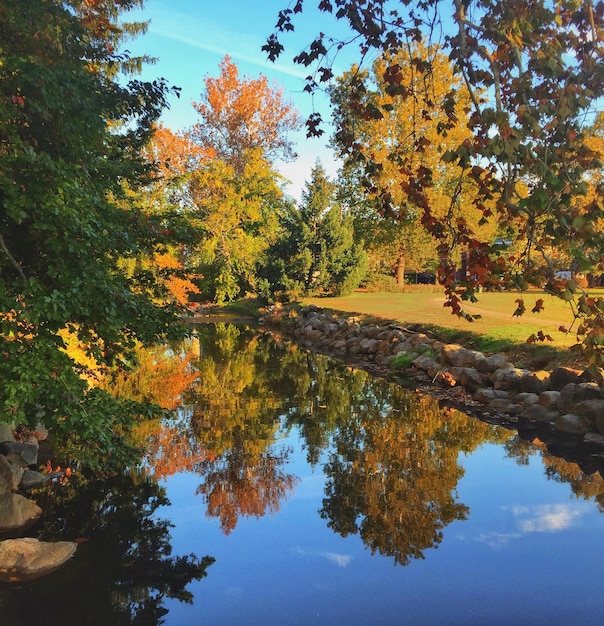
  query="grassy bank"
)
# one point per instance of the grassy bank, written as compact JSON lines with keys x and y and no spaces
{"x":497,"y":330}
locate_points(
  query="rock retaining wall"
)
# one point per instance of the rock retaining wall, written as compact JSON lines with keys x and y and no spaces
{"x":564,"y":398}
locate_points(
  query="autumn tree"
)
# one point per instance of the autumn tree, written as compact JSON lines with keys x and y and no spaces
{"x":243,"y":116}
{"x":388,"y":128}
{"x":71,"y":136}
{"x":234,"y":189}
{"x":532,"y":71}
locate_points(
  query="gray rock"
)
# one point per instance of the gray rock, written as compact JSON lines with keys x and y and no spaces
{"x":6,"y":432}
{"x":10,"y":475}
{"x":527,"y":398}
{"x":416,"y":338}
{"x":458,"y":356}
{"x":536,"y":382}
{"x":538,"y":413}
{"x":566,"y":399}
{"x":493,"y":363}
{"x":24,"y":453}
{"x":31,"y":479}
{"x":595,"y":439}
{"x":471,"y":378}
{"x":17,"y":512}
{"x":509,"y":378}
{"x":28,"y":558}
{"x":485,"y":395}
{"x":593,"y":409}
{"x":427,"y":364}
{"x":574,"y":424}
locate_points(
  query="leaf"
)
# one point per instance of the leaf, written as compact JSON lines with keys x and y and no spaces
{"x":520,"y":309}
{"x":538,"y":306}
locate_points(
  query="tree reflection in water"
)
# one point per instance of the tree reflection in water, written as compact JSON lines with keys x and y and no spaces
{"x":123,"y":568}
{"x":393,"y":475}
{"x":390,"y":456}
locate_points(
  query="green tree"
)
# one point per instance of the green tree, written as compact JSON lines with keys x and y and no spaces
{"x":532,"y":71}
{"x":316,"y":252}
{"x":70,"y":170}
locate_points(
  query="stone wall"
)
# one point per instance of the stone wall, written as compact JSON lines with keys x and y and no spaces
{"x":564,"y":398}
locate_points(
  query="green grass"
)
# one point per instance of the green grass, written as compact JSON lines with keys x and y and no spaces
{"x":497,"y":330}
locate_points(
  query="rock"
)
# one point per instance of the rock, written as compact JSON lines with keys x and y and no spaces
{"x":416,"y":338}
{"x":427,"y":364}
{"x":10,"y":475}
{"x":566,"y":399}
{"x":562,"y":376}
{"x":493,"y":363}
{"x":458,"y":356}
{"x":549,"y":399}
{"x":485,"y":395}
{"x":571,"y":423}
{"x":6,"y":432}
{"x":527,"y":399}
{"x":592,"y":409}
{"x":28,"y":558}
{"x":536,"y":382}
{"x":538,"y":413}
{"x":509,"y":378}
{"x":594,"y":439}
{"x":31,"y":479}
{"x":17,"y":512}
{"x":471,"y":378}
{"x":24,"y":453}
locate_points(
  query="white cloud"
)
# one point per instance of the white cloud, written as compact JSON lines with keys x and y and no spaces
{"x":341,"y":560}
{"x":545,"y":518}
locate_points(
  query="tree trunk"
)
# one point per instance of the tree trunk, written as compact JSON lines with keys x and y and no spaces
{"x":400,"y":271}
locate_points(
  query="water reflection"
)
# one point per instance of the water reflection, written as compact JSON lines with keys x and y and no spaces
{"x":123,"y":570}
{"x":392,"y":475}
{"x":390,"y":456}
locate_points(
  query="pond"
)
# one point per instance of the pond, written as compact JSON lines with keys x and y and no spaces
{"x":293,"y":489}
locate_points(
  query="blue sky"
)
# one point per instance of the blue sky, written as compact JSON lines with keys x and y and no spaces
{"x":190,"y":37}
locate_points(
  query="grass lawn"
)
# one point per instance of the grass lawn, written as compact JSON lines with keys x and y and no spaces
{"x":497,"y":329}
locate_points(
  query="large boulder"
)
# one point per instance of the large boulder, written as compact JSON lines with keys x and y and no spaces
{"x":458,"y":356}
{"x":28,"y":558}
{"x":562,"y":376}
{"x":17,"y":512}
{"x":574,"y":424}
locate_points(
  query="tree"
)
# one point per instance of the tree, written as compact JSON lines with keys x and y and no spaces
{"x":532,"y":71}
{"x":70,"y":175}
{"x":388,"y":130}
{"x":233,"y":189}
{"x":315,"y":252}
{"x":241,"y":116}
{"x":235,"y":214}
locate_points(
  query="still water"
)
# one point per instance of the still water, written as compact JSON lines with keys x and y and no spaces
{"x":302,"y":491}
